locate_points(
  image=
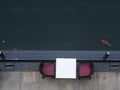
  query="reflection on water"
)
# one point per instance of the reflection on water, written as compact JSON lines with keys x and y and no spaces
{"x":60,"y":26}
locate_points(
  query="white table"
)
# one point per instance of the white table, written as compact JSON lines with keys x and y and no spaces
{"x":66,"y":68}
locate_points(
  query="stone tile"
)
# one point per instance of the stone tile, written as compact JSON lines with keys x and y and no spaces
{"x":30,"y":81}
{"x":88,"y":84}
{"x":107,"y":81}
{"x":10,"y":81}
{"x":68,"y":84}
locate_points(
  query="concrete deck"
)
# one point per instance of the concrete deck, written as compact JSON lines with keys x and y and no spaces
{"x":34,"y":81}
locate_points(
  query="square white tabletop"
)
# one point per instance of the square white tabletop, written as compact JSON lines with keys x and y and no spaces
{"x":66,"y":68}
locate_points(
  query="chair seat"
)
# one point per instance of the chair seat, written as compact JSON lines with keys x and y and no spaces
{"x":84,"y":70}
{"x":48,"y":69}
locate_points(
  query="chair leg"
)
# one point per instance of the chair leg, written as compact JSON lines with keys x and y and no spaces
{"x":53,"y":77}
{"x":89,"y":77}
{"x":43,"y":77}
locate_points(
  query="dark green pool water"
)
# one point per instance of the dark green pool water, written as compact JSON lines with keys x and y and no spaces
{"x":61,"y":25}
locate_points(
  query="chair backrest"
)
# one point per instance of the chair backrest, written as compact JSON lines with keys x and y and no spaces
{"x":47,"y":69}
{"x":85,"y":69}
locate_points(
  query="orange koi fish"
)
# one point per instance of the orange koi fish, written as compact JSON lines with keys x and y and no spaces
{"x":105,"y":42}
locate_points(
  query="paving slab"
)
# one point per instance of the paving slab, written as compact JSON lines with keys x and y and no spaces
{"x":107,"y":81}
{"x":1,"y":81}
{"x":118,"y":81}
{"x":68,"y":84}
{"x":10,"y":81}
{"x":30,"y":81}
{"x":89,"y":84}
{"x":49,"y":84}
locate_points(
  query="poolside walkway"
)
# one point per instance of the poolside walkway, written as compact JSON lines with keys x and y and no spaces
{"x":34,"y":81}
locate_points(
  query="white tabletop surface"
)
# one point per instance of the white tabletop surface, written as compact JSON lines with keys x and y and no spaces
{"x":66,"y":68}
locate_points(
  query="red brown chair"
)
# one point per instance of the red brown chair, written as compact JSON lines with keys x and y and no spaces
{"x":85,"y":70}
{"x":47,"y":69}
